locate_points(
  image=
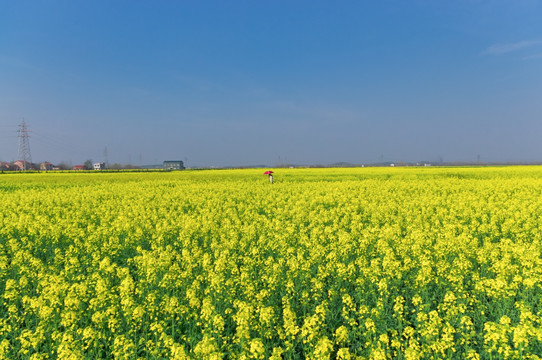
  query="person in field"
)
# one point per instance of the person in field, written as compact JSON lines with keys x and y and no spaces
{"x":270,"y":173}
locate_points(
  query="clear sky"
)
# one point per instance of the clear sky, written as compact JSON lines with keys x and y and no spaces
{"x":220,"y":83}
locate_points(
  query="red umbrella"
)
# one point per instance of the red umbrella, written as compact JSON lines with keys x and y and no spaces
{"x":268,"y":172}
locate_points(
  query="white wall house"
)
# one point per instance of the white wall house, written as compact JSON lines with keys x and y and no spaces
{"x":99,"y":166}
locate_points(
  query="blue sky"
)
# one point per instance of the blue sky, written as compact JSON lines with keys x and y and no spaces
{"x":220,"y":83}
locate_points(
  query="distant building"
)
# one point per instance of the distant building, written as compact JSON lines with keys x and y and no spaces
{"x":173,"y":165}
{"x":22,"y":165}
{"x":79,"y":167}
{"x":46,"y":166}
{"x":4,"y":166}
{"x":18,"y":164}
{"x":99,"y":166}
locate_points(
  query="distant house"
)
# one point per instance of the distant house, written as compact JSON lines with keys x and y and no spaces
{"x":99,"y":166}
{"x":4,"y":166}
{"x":173,"y":165}
{"x":79,"y":167}
{"x":22,"y":165}
{"x":46,"y":166}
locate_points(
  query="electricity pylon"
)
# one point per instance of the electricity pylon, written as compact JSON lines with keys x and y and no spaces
{"x":24,"y":145}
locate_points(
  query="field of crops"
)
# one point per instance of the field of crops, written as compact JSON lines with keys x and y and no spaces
{"x":402,"y":263}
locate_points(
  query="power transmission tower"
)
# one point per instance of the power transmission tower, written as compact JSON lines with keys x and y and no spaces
{"x":24,"y":145}
{"x":106,"y":154}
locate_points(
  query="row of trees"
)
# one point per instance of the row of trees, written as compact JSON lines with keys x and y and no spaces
{"x":115,"y":166}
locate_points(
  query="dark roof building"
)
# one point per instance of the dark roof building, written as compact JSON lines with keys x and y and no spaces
{"x":173,"y":165}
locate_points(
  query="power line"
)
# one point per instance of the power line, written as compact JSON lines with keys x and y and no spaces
{"x":49,"y":144}
{"x":59,"y":141}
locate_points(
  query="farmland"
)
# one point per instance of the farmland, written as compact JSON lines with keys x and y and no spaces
{"x":406,"y":263}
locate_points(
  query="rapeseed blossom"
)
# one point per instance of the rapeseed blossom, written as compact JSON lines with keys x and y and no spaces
{"x":403,"y":263}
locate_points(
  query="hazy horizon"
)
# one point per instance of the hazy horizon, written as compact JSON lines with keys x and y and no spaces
{"x":244,"y":83}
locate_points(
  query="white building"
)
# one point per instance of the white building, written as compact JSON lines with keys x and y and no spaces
{"x":99,"y":166}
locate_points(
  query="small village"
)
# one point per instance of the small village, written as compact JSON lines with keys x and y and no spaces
{"x":21,"y":165}
{"x":25,"y":162}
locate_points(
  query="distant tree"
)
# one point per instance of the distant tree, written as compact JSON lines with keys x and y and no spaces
{"x":64,"y":166}
{"x":88,"y":164}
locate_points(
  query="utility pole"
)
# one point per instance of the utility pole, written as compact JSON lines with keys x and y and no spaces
{"x":106,"y":154}
{"x":24,"y":145}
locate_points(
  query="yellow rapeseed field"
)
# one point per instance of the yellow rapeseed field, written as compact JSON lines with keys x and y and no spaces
{"x":368,"y":263}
